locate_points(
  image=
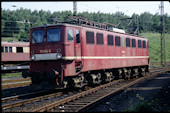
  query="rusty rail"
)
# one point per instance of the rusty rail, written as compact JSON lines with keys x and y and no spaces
{"x":15,"y":80}
{"x":27,"y":101}
{"x":84,"y":99}
{"x":6,"y":86}
{"x":79,"y":101}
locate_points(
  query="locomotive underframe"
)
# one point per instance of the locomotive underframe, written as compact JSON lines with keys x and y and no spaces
{"x":96,"y":77}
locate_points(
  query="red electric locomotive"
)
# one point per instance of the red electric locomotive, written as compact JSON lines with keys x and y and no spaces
{"x":69,"y":55}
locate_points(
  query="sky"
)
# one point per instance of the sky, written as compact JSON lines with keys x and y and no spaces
{"x":127,"y":7}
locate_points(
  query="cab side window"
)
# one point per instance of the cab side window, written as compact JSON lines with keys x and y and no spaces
{"x":77,"y":36}
{"x":70,"y":34}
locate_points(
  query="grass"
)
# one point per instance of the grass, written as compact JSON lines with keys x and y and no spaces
{"x":143,"y":105}
{"x":155,"y":46}
{"x":8,"y":39}
{"x":8,"y":75}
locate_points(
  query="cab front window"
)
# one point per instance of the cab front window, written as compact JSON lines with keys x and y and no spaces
{"x":38,"y":36}
{"x":53,"y":35}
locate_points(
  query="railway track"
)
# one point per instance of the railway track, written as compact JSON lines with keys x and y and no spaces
{"x":15,"y":80}
{"x":8,"y":104}
{"x":79,"y":101}
{"x":13,"y":98}
{"x":87,"y":98}
{"x":27,"y":81}
{"x":22,"y":82}
{"x":18,"y":101}
{"x":15,"y":83}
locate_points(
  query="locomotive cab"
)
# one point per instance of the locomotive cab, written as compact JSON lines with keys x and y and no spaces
{"x":52,"y":50}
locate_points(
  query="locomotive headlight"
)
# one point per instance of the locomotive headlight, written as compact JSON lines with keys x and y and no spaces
{"x":58,"y":55}
{"x":32,"y":57}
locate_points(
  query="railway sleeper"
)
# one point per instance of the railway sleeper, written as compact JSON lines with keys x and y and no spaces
{"x":77,"y":103}
{"x":67,"y":109}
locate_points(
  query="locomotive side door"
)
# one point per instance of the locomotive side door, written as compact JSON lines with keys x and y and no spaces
{"x":123,"y":50}
{"x":78,"y":52}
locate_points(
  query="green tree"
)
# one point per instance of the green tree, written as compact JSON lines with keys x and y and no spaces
{"x":9,"y":25}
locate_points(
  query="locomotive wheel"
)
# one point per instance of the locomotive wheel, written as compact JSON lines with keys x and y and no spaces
{"x":135,"y":73}
{"x":108,"y":77}
{"x":126,"y":73}
{"x":52,"y":77}
{"x":25,"y":74}
{"x":42,"y":76}
{"x":129,"y":74}
{"x":96,"y":78}
{"x":118,"y":74}
{"x":79,"y":81}
{"x":142,"y":72}
{"x":34,"y":78}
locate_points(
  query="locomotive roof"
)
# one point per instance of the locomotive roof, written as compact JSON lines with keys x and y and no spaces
{"x":86,"y":26}
{"x":15,"y":44}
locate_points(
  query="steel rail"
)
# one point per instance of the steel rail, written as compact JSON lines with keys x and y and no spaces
{"x":76,"y":96}
{"x":15,"y":80}
{"x":22,"y":102}
{"x":3,"y":100}
{"x":68,"y":99}
{"x":89,"y":101}
{"x":152,"y":75}
{"x":6,"y":86}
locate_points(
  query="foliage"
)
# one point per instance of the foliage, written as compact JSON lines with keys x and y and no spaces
{"x":10,"y":25}
{"x":154,"y":46}
{"x":9,"y":75}
{"x":143,"y":105}
{"x":9,"y":39}
{"x":149,"y":25}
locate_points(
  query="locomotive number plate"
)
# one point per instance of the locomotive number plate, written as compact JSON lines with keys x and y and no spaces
{"x":45,"y":51}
